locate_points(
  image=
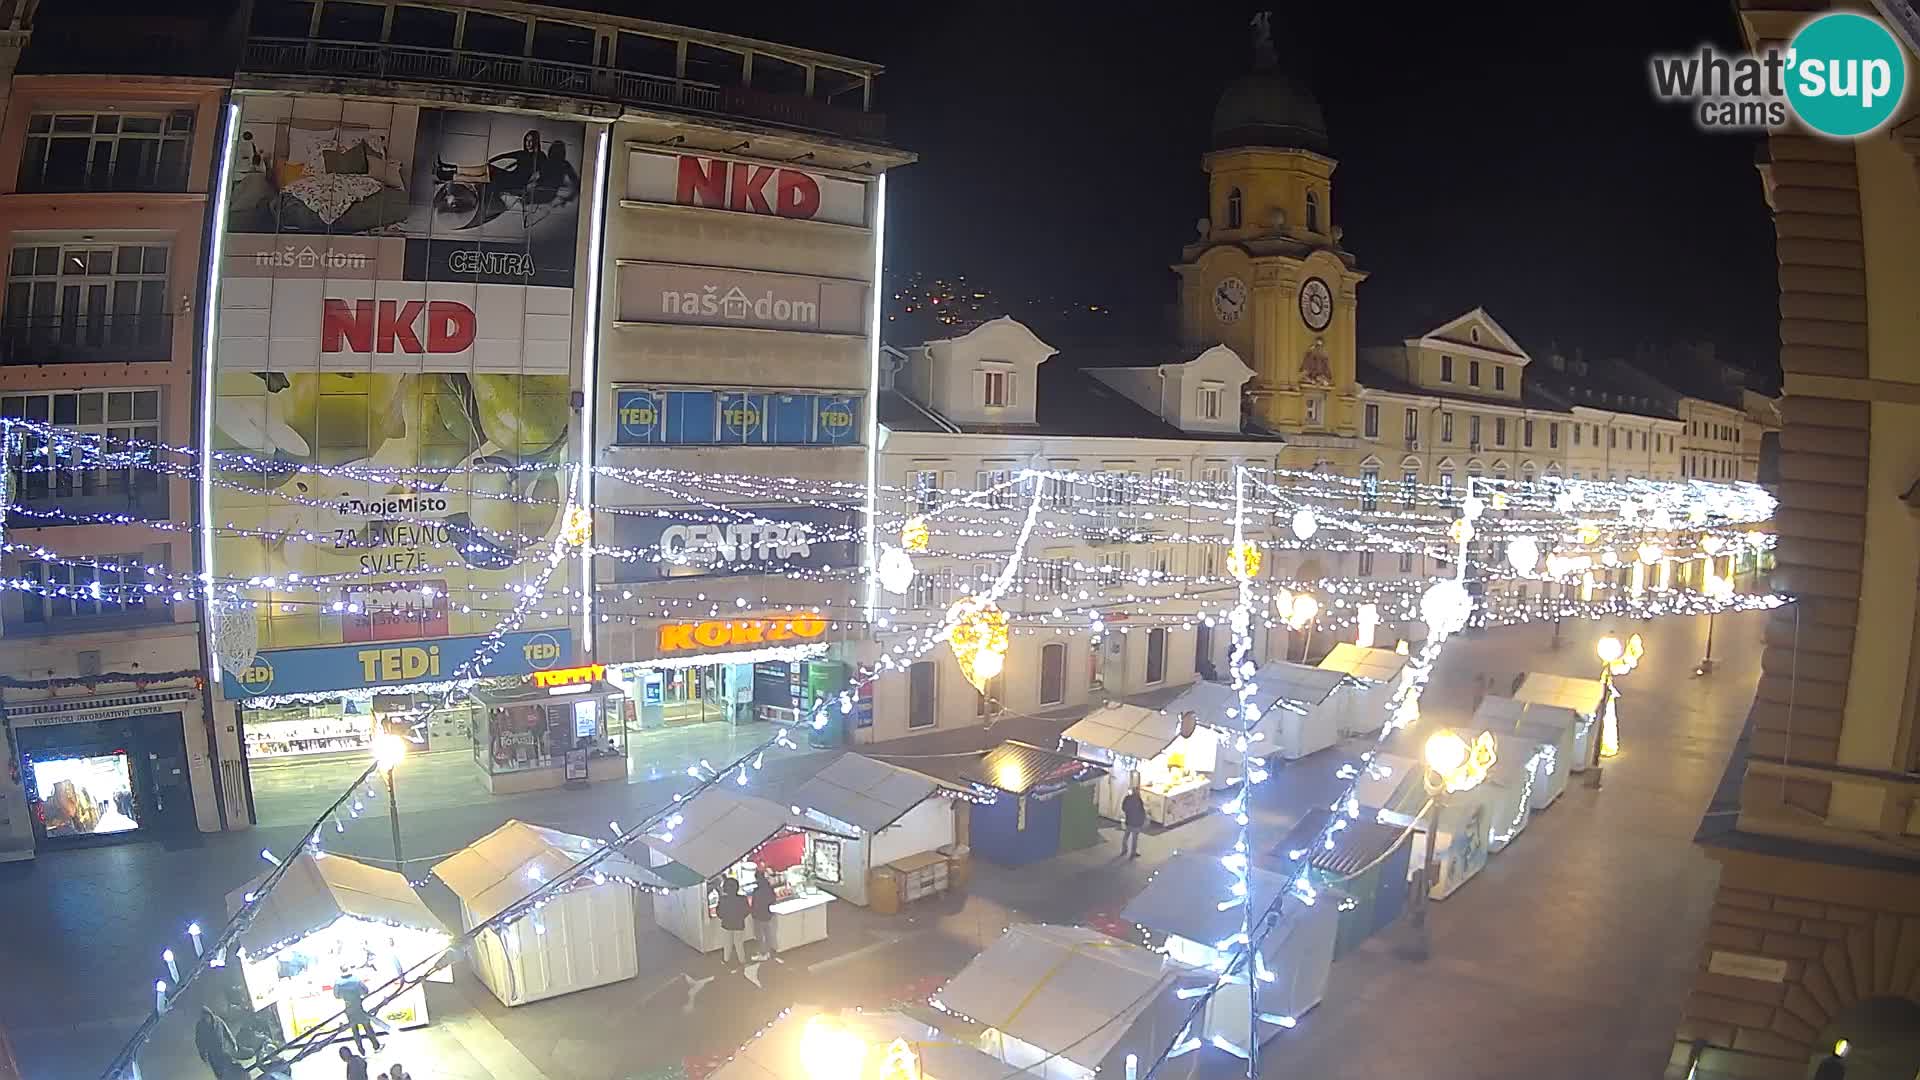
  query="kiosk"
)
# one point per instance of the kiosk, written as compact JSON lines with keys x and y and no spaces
{"x":1043,"y":804}
{"x":1509,"y":800}
{"x":1066,"y":1002}
{"x":718,"y":834}
{"x":1543,"y":733}
{"x":809,"y":1043}
{"x":904,"y":829}
{"x":582,"y":936}
{"x":1168,"y":755}
{"x":1183,"y":902}
{"x":1367,"y":864}
{"x":1376,"y":675}
{"x":1582,"y":697}
{"x":1392,"y":790}
{"x":330,"y":916}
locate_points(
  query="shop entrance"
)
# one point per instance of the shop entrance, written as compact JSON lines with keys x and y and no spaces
{"x":697,"y":695}
{"x":101,"y":781}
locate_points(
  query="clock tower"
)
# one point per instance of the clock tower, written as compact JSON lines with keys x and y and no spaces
{"x":1267,"y":276}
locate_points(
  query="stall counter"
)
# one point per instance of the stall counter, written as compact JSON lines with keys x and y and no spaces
{"x":799,"y":920}
{"x":1174,"y":803}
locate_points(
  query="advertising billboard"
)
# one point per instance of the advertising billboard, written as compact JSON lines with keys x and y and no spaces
{"x":746,"y":187}
{"x":719,"y":296}
{"x":770,"y":540}
{"x":697,"y":416}
{"x":396,"y":353}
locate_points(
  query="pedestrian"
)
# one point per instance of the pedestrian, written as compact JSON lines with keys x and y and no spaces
{"x":356,"y":1065}
{"x":762,"y":908}
{"x":398,"y":1073}
{"x":353,"y":994}
{"x":1133,"y":813}
{"x":214,"y":1042}
{"x":732,"y":910}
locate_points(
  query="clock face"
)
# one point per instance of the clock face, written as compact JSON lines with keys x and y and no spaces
{"x":1316,"y":304}
{"x":1229,"y":299}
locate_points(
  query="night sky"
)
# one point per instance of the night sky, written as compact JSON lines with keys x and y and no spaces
{"x":1504,"y":155}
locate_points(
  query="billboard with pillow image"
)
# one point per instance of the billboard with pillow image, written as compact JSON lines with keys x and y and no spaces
{"x":397,"y":347}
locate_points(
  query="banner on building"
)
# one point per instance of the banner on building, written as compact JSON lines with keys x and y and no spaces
{"x":703,"y":417}
{"x":720,"y":296}
{"x":397,"y":663}
{"x":747,"y":187}
{"x":773,"y":539}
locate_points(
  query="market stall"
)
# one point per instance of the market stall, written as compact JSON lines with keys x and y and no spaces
{"x":718,"y":834}
{"x":1043,"y":804}
{"x":329,"y":917}
{"x":1375,"y":676}
{"x":1509,"y":799}
{"x":582,"y":936}
{"x":905,"y":830}
{"x":1366,"y":867}
{"x":1066,"y":1002}
{"x":1168,"y":755}
{"x":1392,"y":790}
{"x":1183,"y":900}
{"x":1582,"y":697}
{"x":809,"y":1043}
{"x":1544,"y":734}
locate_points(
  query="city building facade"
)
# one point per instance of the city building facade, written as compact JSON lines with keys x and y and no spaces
{"x":1814,"y":927}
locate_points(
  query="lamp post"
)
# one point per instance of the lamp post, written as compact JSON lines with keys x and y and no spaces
{"x":389,"y":750}
{"x":1451,"y":764}
{"x":1719,"y":590}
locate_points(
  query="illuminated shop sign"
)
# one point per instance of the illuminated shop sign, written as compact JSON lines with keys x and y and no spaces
{"x":772,"y":540}
{"x":744,"y":187}
{"x":718,"y":296}
{"x":647,"y":416}
{"x":740,"y":633}
{"x":394,"y":663}
{"x":570,"y":676}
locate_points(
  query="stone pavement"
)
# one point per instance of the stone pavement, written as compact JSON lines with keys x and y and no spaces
{"x":1566,"y":957}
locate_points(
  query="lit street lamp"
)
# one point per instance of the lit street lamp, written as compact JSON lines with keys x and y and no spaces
{"x":1615,"y":659}
{"x":1719,"y":590}
{"x":1452,"y":764}
{"x":389,"y":750}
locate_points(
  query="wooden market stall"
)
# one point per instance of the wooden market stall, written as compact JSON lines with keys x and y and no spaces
{"x":583,"y":936}
{"x":718,"y":834}
{"x":905,"y":828}
{"x":1583,"y":697}
{"x":1392,"y":790}
{"x":810,"y":1043}
{"x":1066,"y":1002}
{"x":1374,"y":675}
{"x":1543,"y":735}
{"x":1183,"y":902}
{"x":1170,"y":756}
{"x":1043,"y":803}
{"x":331,"y":916}
{"x":1366,"y":867}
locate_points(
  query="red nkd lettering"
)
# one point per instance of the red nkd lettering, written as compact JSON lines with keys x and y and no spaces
{"x":387,"y":326}
{"x":703,"y":182}
{"x":738,"y":185}
{"x":798,"y":195}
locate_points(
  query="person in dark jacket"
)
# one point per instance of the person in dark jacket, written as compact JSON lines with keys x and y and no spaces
{"x":761,"y":903}
{"x":732,"y":911}
{"x":1133,"y":814}
{"x":356,"y":1065}
{"x":353,"y":994}
{"x":213,"y":1041}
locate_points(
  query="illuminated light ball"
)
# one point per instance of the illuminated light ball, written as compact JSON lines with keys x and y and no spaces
{"x":895,"y":570}
{"x":1282,"y":602}
{"x":1304,"y":524}
{"x":1587,"y":533}
{"x":1243,"y":562}
{"x":1302,"y":610}
{"x":577,"y":528}
{"x":1567,"y":498}
{"x":1523,"y":554}
{"x":1499,"y":500}
{"x":1608,"y":558}
{"x":1649,"y":554}
{"x":1660,"y":519}
{"x":1444,"y":607}
{"x":389,"y":750}
{"x":1461,"y":530}
{"x":1472,"y":507}
{"x":829,"y":1051}
{"x":915,"y":535}
{"x":1609,"y":649}
{"x":1697,"y":513}
{"x":978,"y":638}
{"x":1446,"y":753}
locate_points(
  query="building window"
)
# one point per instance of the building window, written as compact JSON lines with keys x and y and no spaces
{"x":1406,"y":562}
{"x":97,"y":590}
{"x":1499,"y":376}
{"x":1372,"y":421}
{"x":1446,"y":484}
{"x":1156,"y":656}
{"x":1366,"y":563}
{"x":1473,"y":334}
{"x":1526,"y":433}
{"x":1446,"y":368}
{"x":1473,"y":431}
{"x":1446,"y":427}
{"x":996,"y":389}
{"x":87,"y":302}
{"x":1370,"y":484}
{"x":71,"y":477}
{"x":922,"y":678}
{"x":1613,"y":438}
{"x":1206,"y":563}
{"x":1473,"y":373}
{"x":998,"y":486}
{"x":1053,"y":674}
{"x":1596,"y":434}
{"x":1499,"y":431}
{"x":116,"y":151}
{"x":1553,"y":436}
{"x":926,"y":490}
{"x":1209,"y":401}
{"x":1316,"y":409}
{"x":1233,"y":209}
{"x":1409,"y":487}
{"x":1526,"y":474}
{"x":1413,"y":426}
{"x":1313,"y":212}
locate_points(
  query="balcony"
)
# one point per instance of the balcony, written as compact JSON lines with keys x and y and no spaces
{"x":405,"y":63}
{"x":87,"y":339}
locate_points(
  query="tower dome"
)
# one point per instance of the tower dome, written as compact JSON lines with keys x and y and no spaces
{"x":1265,"y":107}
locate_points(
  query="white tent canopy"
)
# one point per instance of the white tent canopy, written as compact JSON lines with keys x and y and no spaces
{"x":1184,"y":898}
{"x":1583,"y":696}
{"x":1131,"y":730}
{"x":865,"y":793}
{"x":1207,"y":700}
{"x":318,"y":889}
{"x":718,"y":828}
{"x":498,"y":870}
{"x":1377,"y":665}
{"x":777,"y":1054}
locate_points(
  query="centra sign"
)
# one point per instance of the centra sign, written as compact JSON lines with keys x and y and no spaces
{"x":740,"y":633}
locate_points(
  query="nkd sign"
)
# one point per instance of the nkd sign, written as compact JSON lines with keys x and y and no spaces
{"x":711,"y":296}
{"x":745,"y":187}
{"x":390,"y":326}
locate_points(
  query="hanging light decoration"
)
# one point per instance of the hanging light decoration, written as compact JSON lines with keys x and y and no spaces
{"x":895,"y":570}
{"x":1588,"y":532}
{"x":1461,"y":530}
{"x":1305,"y":524}
{"x":978,"y":639}
{"x":914,"y":534}
{"x":1472,"y":507}
{"x":1301,"y":610}
{"x":1243,"y":562}
{"x":576,"y":529}
{"x":1649,"y":553}
{"x":1445,"y":607}
{"x":1523,"y":554}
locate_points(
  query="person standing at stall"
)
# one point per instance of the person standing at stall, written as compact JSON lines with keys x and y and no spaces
{"x":1133,"y":814}
{"x":356,"y":1065}
{"x":214,"y":1042}
{"x":353,"y":995}
{"x":761,"y":905}
{"x":732,"y":910}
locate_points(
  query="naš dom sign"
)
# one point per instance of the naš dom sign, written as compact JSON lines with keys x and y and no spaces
{"x":740,"y":633}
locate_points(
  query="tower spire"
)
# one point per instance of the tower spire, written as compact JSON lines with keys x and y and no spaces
{"x":1264,"y":57}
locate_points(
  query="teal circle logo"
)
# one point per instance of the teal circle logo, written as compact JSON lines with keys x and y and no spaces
{"x":1845,"y":74}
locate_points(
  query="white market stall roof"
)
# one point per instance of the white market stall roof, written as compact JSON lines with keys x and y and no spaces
{"x":498,"y":870}
{"x":1383,"y":778}
{"x":1131,"y":730}
{"x":1184,"y":898}
{"x":1379,"y":665}
{"x":860,"y":791}
{"x":776,"y":1053}
{"x":1278,"y":680}
{"x":1581,"y":695}
{"x":1207,"y":700}
{"x":719,"y":828}
{"x":316,"y":891}
{"x":1504,"y":716}
{"x":1067,"y":990}
{"x":1284,"y":680}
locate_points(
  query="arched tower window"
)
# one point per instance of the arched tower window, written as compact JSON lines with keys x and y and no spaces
{"x":1233,"y":209}
{"x":1313,"y":212}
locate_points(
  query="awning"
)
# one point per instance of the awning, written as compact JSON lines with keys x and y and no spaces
{"x":1583,"y":696}
{"x":718,"y":828}
{"x":1184,"y":898}
{"x":315,"y":891}
{"x":1067,"y":990}
{"x":776,"y":1053}
{"x":1127,"y":729}
{"x":1378,"y":665}
{"x":498,"y":870}
{"x":1017,"y":768}
{"x":860,"y":791}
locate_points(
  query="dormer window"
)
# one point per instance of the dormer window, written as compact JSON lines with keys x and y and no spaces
{"x":1209,"y":403}
{"x":996,"y":388}
{"x":1313,"y":212}
{"x":1233,"y":209}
